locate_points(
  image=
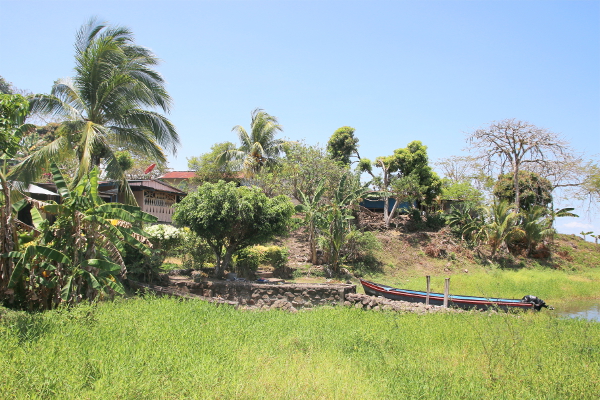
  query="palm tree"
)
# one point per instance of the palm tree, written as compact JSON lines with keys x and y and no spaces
{"x":260,"y":148}
{"x":502,"y":221}
{"x":110,"y":100}
{"x":536,"y":225}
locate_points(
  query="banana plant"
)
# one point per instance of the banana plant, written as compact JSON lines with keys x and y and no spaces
{"x":337,"y":218}
{"x":79,"y":255}
{"x":312,"y":208}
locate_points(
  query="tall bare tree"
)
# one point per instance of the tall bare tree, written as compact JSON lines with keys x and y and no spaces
{"x":512,"y":145}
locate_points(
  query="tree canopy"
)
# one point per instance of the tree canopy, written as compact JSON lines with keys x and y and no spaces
{"x":231,"y":218}
{"x":109,"y":100}
{"x":534,"y":190}
{"x":406,"y":175}
{"x":342,"y":145}
{"x":209,"y":170}
{"x":510,"y":145}
{"x":260,"y":147}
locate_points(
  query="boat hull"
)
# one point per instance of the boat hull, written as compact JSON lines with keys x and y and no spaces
{"x":437,"y":299}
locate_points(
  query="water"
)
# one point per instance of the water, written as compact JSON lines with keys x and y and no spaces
{"x":586,"y":309}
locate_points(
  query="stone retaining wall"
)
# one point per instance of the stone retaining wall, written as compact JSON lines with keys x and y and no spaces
{"x":270,"y":295}
{"x":374,"y":303}
{"x":290,"y":297}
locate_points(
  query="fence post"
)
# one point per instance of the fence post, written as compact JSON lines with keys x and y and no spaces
{"x":428,"y":290}
{"x":446,"y":292}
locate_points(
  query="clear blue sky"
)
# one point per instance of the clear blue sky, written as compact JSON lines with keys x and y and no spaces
{"x":396,"y":71}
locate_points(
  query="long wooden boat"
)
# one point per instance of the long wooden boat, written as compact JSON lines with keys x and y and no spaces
{"x":437,"y":299}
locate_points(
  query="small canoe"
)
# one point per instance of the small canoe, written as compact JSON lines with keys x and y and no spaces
{"x":466,"y":302}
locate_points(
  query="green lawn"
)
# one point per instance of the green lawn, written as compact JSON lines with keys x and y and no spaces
{"x":171,"y":349}
{"x":548,"y":284}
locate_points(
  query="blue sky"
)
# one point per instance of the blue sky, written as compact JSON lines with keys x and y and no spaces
{"x":396,"y":71}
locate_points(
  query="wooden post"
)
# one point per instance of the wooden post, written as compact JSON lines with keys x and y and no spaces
{"x":446,"y":292}
{"x":428,"y":290}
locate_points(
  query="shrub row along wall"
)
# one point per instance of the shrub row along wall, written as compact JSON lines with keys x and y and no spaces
{"x":290,"y":296}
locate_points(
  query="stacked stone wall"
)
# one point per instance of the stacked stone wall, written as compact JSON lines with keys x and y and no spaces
{"x":290,"y":297}
{"x":265,"y":295}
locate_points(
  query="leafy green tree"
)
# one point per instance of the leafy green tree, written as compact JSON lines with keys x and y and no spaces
{"x":209,"y":170}
{"x":342,"y":145}
{"x":13,"y":111}
{"x":79,"y":256}
{"x":584,"y":234}
{"x":5,"y":87}
{"x":110,"y":99}
{"x":301,"y":170}
{"x":260,"y":147}
{"x":463,"y":191}
{"x":231,"y":218}
{"x":409,"y":167}
{"x":534,"y":190}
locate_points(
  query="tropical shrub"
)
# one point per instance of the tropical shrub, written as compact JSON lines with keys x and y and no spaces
{"x":360,"y":246}
{"x":163,"y":236}
{"x":466,"y":222}
{"x":251,"y":258}
{"x":192,"y":250}
{"x":230,"y":218}
{"x":500,"y":227}
{"x":79,"y":256}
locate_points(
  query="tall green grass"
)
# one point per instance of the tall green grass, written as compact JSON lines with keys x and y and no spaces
{"x":169,"y":349}
{"x":548,"y":284}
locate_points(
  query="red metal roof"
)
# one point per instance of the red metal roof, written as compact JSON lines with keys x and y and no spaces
{"x":178,"y":175}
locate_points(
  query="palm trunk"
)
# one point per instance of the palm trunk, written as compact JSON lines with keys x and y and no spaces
{"x":313,"y":244}
{"x":7,"y":231}
{"x":516,"y":187}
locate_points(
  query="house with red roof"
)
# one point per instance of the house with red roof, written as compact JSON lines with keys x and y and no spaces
{"x":153,"y":196}
{"x":176,"y":178}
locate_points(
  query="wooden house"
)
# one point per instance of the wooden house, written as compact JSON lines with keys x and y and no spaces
{"x":153,"y":196}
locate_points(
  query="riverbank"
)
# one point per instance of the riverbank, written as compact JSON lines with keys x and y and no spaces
{"x":405,"y":259}
{"x":165,"y":348}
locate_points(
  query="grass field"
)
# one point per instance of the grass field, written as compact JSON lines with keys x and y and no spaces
{"x":162,"y":348}
{"x":550,"y":285}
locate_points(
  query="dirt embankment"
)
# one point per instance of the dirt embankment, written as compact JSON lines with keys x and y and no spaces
{"x":403,"y":250}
